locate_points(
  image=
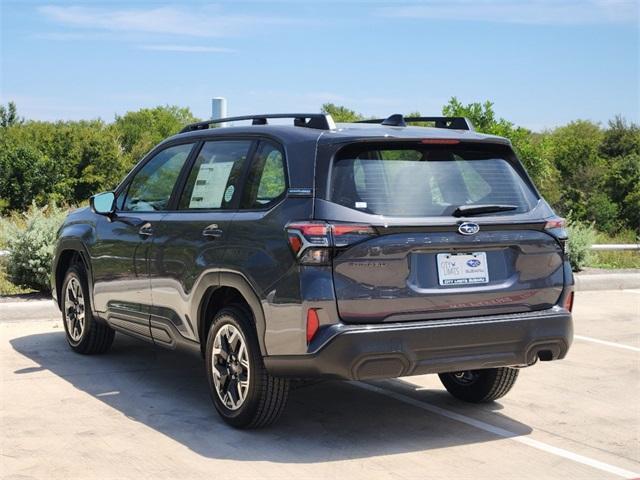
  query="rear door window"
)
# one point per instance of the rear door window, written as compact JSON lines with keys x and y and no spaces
{"x":214,"y":180}
{"x":426,"y":181}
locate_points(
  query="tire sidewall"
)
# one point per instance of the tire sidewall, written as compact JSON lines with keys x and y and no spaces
{"x":236,"y":317}
{"x":491,"y":384}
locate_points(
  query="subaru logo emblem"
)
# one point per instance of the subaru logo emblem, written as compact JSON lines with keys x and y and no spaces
{"x":468,"y":228}
{"x":473,"y":263}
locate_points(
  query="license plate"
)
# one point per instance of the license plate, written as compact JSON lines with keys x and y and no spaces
{"x":462,"y":268}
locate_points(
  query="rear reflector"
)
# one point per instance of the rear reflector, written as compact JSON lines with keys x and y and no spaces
{"x":313,"y":324}
{"x":295,"y":242}
{"x":568,"y":302}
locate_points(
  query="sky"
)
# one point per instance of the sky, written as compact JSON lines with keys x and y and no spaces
{"x":542,"y":63}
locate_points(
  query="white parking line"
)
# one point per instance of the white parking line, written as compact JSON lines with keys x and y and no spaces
{"x":108,"y":394}
{"x":501,"y":432}
{"x":608,"y":344}
{"x":27,"y":304}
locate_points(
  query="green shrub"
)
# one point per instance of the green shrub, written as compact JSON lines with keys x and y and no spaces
{"x":581,"y":237}
{"x":30,"y":240}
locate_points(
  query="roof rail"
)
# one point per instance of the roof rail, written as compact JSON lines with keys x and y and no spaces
{"x":397,"y":120}
{"x":320,"y":121}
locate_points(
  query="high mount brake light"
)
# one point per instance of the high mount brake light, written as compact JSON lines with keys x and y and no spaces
{"x":313,"y":242}
{"x":440,"y":141}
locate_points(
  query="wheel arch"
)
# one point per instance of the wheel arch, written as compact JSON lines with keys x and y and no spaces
{"x":68,"y":252}
{"x":231,"y":288}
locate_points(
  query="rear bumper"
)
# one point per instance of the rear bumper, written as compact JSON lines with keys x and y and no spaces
{"x":357,"y":352}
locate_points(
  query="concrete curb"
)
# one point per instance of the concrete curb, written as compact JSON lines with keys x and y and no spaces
{"x":607,"y":281}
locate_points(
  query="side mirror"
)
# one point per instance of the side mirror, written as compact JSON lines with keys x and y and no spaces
{"x":103,"y":203}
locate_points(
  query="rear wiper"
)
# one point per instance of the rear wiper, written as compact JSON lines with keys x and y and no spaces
{"x":465,"y":210}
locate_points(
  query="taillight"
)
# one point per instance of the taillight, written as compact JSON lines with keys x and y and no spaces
{"x":348,"y":234}
{"x":313,"y":324}
{"x":556,"y":226}
{"x":314,"y":242}
{"x":303,"y":235}
{"x":555,"y":222}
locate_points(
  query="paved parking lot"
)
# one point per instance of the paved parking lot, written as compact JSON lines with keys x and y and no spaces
{"x":140,"y":412}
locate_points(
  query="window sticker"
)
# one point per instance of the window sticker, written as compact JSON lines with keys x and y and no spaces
{"x":228,"y":195}
{"x":361,"y":204}
{"x":210,"y":185}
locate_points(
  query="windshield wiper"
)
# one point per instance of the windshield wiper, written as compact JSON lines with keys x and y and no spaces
{"x":467,"y":210}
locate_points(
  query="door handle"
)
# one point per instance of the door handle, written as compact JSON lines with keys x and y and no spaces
{"x":212,"y":231}
{"x":146,"y":230}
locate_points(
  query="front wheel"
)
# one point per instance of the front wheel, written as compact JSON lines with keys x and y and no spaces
{"x":480,"y":386}
{"x":243,"y":392}
{"x":84,"y":333}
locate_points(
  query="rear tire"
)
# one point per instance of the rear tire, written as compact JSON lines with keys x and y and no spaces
{"x":85,"y":334}
{"x":480,"y":386}
{"x":243,"y":392}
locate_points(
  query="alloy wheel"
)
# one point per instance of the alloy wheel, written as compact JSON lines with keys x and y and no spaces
{"x":230,"y":362}
{"x":466,"y":377}
{"x":74,"y":309}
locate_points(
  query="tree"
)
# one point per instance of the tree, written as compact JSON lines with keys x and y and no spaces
{"x":528,"y":147}
{"x":481,"y":115}
{"x":575,"y":151}
{"x":620,"y":139}
{"x":621,"y":148}
{"x":9,"y":115}
{"x":64,"y":162}
{"x":141,"y":130}
{"x":340,"y":113}
{"x":22,"y":177}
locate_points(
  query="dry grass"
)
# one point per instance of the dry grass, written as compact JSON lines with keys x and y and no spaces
{"x":617,"y":258}
{"x":8,"y":288}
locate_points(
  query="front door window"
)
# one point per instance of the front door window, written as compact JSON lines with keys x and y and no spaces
{"x":150,"y":189}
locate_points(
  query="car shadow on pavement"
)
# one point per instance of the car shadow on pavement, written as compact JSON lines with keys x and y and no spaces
{"x":324,"y":421}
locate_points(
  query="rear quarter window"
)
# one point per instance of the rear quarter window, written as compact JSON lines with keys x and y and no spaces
{"x":426,"y":181}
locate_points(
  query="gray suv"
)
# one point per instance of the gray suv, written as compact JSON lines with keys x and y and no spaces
{"x":309,"y":249}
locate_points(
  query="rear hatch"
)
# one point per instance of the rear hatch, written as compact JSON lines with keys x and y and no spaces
{"x":456,"y":230}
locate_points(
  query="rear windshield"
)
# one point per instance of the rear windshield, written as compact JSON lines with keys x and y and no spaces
{"x":430,"y":180}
